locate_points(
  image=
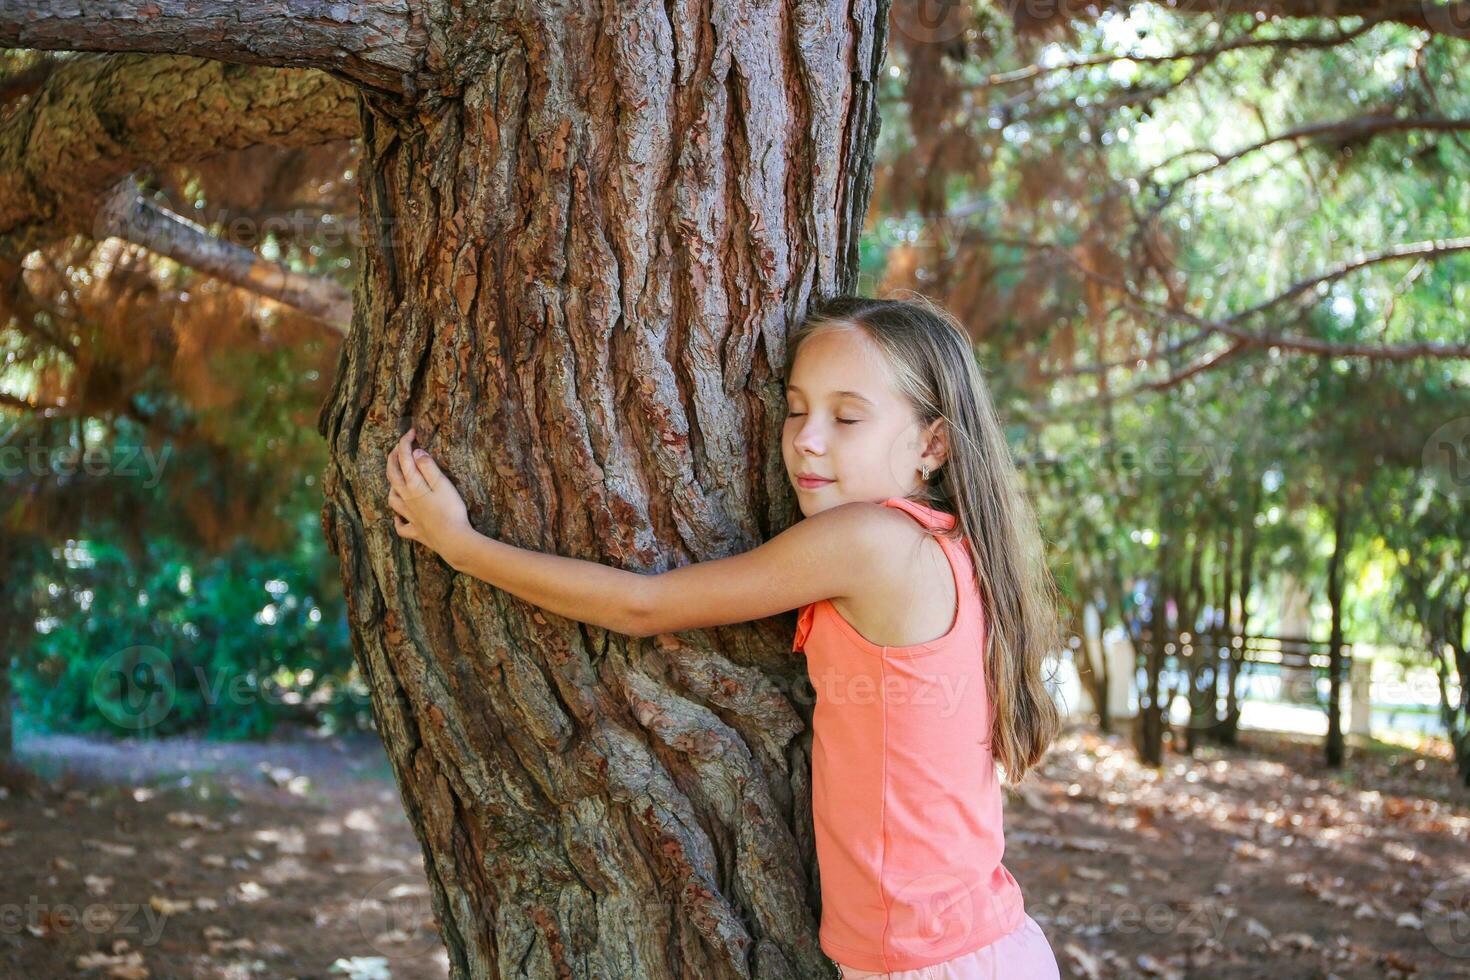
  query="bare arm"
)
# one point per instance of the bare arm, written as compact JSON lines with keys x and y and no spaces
{"x":832,"y":554}
{"x":822,"y":557}
{"x":586,"y":591}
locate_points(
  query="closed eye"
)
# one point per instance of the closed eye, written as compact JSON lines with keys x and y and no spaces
{"x":797,"y":415}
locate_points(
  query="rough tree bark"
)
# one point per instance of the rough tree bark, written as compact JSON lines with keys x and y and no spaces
{"x":587,"y":232}
{"x":585,"y":265}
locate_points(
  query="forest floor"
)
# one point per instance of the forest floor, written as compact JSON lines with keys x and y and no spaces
{"x":293,"y":858}
{"x":1252,"y":861}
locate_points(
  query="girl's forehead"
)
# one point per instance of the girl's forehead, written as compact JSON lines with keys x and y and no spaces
{"x":841,"y":359}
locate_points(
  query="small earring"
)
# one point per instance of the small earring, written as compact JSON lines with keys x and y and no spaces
{"x":926,"y":471}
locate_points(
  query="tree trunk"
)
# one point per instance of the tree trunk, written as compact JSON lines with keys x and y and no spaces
{"x":1459,"y":730}
{"x":1153,"y":707}
{"x":1229,"y":729}
{"x":1221,"y":647}
{"x":1333,"y":748}
{"x":580,"y":266}
{"x":1091,"y":676}
{"x":1192,"y":661}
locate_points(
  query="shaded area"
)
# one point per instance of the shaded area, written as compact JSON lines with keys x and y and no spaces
{"x":210,"y":865}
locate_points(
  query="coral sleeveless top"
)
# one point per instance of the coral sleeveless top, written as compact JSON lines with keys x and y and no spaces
{"x":906,"y":801}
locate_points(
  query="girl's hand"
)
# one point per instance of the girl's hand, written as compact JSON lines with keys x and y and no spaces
{"x":427,"y":508}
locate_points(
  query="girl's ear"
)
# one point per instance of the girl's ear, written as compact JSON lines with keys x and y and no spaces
{"x":936,"y":442}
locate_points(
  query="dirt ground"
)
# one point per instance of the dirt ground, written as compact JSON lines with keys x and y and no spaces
{"x":289,"y":858}
{"x":292,"y":858}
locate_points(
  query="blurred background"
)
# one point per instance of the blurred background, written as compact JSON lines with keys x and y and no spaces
{"x":1215,"y":267}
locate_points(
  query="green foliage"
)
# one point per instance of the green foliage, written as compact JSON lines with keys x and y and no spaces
{"x":1194,"y":252}
{"x":240,"y":640}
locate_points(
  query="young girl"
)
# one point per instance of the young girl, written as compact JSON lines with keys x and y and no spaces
{"x":925,"y":615}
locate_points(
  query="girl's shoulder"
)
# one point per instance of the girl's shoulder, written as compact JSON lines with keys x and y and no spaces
{"x":911,"y":596}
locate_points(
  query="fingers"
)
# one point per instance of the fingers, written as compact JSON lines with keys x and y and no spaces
{"x":411,"y":471}
{"x":413,"y":481}
{"x":395,"y":500}
{"x":427,"y":468}
{"x":405,"y":529}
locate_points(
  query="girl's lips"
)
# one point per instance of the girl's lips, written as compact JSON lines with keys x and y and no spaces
{"x":808,"y":483}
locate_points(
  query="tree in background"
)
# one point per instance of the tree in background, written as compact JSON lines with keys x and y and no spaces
{"x":150,"y":408}
{"x":1175,"y":232}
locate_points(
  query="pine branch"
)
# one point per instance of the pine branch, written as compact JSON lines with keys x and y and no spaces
{"x":1034,"y":71}
{"x":1354,"y":128}
{"x":378,"y":44}
{"x":98,"y":118}
{"x":129,"y":215}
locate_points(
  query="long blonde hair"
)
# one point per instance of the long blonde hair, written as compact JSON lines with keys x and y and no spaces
{"x":935,"y":368}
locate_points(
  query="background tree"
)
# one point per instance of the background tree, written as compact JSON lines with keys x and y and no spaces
{"x":1128,"y":260}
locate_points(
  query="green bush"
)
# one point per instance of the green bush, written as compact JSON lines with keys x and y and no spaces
{"x":171,"y":642}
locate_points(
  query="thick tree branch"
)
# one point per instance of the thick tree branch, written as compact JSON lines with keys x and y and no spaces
{"x":129,"y":215}
{"x":374,"y":43}
{"x":99,"y":118}
{"x":1200,"y":366}
{"x":1134,"y":361}
{"x":1435,"y":248}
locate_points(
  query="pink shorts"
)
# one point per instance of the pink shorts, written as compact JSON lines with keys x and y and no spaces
{"x":1021,"y":954}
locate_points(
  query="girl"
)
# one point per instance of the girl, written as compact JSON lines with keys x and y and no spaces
{"x":925,"y":615}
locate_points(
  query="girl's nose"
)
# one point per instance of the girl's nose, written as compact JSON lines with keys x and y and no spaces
{"x":809,"y":437}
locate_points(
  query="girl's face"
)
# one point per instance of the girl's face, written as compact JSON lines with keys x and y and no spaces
{"x":849,"y":426}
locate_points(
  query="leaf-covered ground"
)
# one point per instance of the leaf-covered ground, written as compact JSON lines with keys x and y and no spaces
{"x":184,"y":858}
{"x":213,"y":860}
{"x":1255,"y":861}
